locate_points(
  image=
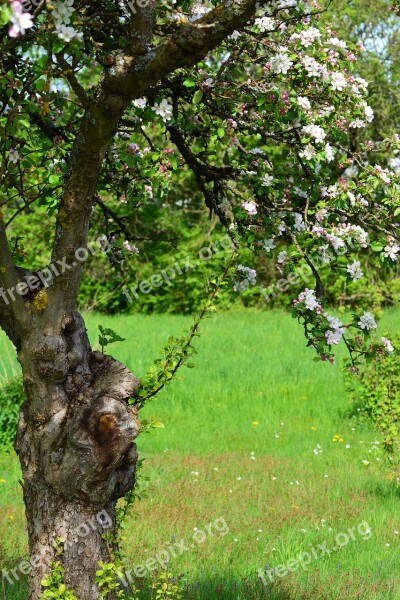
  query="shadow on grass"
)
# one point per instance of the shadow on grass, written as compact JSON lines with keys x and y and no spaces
{"x":216,"y":588}
{"x":17,"y":591}
{"x":385,"y":489}
{"x":250,"y":588}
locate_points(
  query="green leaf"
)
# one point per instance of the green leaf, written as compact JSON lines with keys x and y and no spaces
{"x":198,"y":96}
{"x":39,"y":85}
{"x":377,"y":246}
{"x":189,"y":83}
{"x":5,"y":14}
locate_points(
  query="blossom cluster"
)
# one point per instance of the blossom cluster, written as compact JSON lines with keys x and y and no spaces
{"x":324,"y":330}
{"x":246,"y":277}
{"x":20,"y":20}
{"x":62,"y":16}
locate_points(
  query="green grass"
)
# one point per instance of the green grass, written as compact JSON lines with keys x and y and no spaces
{"x":255,"y":389}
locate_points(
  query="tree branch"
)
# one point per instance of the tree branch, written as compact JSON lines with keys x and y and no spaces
{"x":72,"y":80}
{"x":189,"y":44}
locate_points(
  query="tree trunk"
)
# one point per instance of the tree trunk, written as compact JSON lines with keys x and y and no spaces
{"x":75,"y":443}
{"x":80,"y":524}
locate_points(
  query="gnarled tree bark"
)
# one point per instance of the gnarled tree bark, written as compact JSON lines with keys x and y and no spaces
{"x":75,"y":443}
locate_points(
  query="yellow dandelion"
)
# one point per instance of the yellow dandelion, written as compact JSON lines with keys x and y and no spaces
{"x":2,"y":480}
{"x":255,"y":423}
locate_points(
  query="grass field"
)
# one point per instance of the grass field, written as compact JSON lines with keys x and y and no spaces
{"x":256,"y":435}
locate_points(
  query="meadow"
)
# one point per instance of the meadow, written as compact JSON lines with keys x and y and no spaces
{"x":257,"y":437}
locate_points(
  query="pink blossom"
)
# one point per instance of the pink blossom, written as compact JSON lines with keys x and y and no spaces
{"x":127,"y":246}
{"x":20,"y":21}
{"x":250,"y":207}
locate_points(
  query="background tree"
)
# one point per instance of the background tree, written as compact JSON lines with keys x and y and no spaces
{"x":101,"y":103}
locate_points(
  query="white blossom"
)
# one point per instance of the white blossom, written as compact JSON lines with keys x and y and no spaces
{"x":140,"y":102}
{"x":336,"y":331}
{"x":265,"y":24}
{"x":281,"y":63}
{"x":304,"y":103}
{"x":268,"y":244}
{"x":267,"y":180}
{"x":299,"y":224}
{"x":324,"y":252}
{"x":282,"y":256}
{"x":391,"y":251}
{"x":329,"y":153}
{"x":383,"y":173}
{"x":352,"y":198}
{"x":333,"y":337}
{"x":309,"y":299}
{"x":354,"y":270}
{"x":313,"y":67}
{"x":198,"y":11}
{"x":367,"y":321}
{"x":321,"y":214}
{"x":338,"y":81}
{"x":308,"y":152}
{"x":308,"y":36}
{"x":315,"y":132}
{"x":62,"y":16}
{"x":388,"y":345}
{"x":394,"y":164}
{"x":250,"y":207}
{"x":334,"y":41}
{"x":14,"y":156}
{"x":357,"y":124}
{"x":281,"y":228}
{"x":67,"y":33}
{"x":369,"y":113}
{"x":248,"y":277}
{"x":164,"y":109}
